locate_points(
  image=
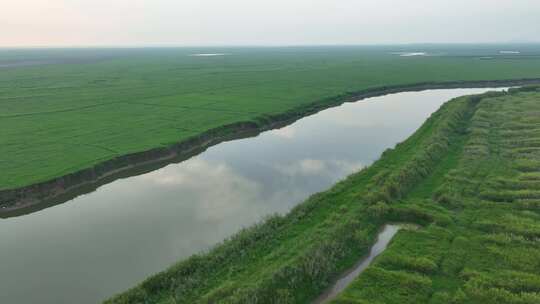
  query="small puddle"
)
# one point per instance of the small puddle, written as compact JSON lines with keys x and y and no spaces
{"x":383,"y":239}
{"x":208,"y":54}
{"x":410,"y":54}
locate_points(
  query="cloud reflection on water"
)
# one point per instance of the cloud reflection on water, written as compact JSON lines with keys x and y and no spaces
{"x":307,"y":167}
{"x":215,"y":189}
{"x":288,"y":132}
{"x":106,"y":241}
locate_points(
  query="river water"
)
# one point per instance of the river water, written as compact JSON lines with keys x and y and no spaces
{"x":101,"y":243}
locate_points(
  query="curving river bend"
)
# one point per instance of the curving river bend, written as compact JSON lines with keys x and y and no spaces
{"x":104,"y":242}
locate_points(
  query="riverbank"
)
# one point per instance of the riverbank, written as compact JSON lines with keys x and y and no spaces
{"x":486,"y":188}
{"x":24,"y":200}
{"x":434,"y":179}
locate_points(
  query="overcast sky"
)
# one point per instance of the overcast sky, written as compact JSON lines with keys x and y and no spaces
{"x":265,"y":22}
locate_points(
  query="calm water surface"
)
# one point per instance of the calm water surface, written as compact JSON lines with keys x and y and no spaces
{"x":101,"y":243}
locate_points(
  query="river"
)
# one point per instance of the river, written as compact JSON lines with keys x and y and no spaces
{"x":104,"y":242}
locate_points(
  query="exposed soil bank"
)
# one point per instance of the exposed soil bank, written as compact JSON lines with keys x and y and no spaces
{"x":27,"y":199}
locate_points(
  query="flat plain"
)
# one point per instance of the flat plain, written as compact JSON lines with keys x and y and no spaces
{"x":63,"y":110}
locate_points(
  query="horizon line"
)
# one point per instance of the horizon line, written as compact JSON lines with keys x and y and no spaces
{"x":166,"y":45}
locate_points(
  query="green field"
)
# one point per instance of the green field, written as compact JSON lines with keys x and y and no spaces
{"x":63,"y":110}
{"x":470,"y":177}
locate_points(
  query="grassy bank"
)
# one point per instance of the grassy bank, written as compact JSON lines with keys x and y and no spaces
{"x":75,"y":109}
{"x":458,"y":176}
{"x":487,"y":188}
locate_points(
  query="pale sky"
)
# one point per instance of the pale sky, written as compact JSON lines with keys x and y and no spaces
{"x":265,"y":22}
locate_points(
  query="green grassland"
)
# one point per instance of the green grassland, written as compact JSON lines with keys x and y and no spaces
{"x":488,"y":189}
{"x":470,"y":177}
{"x":63,"y":110}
